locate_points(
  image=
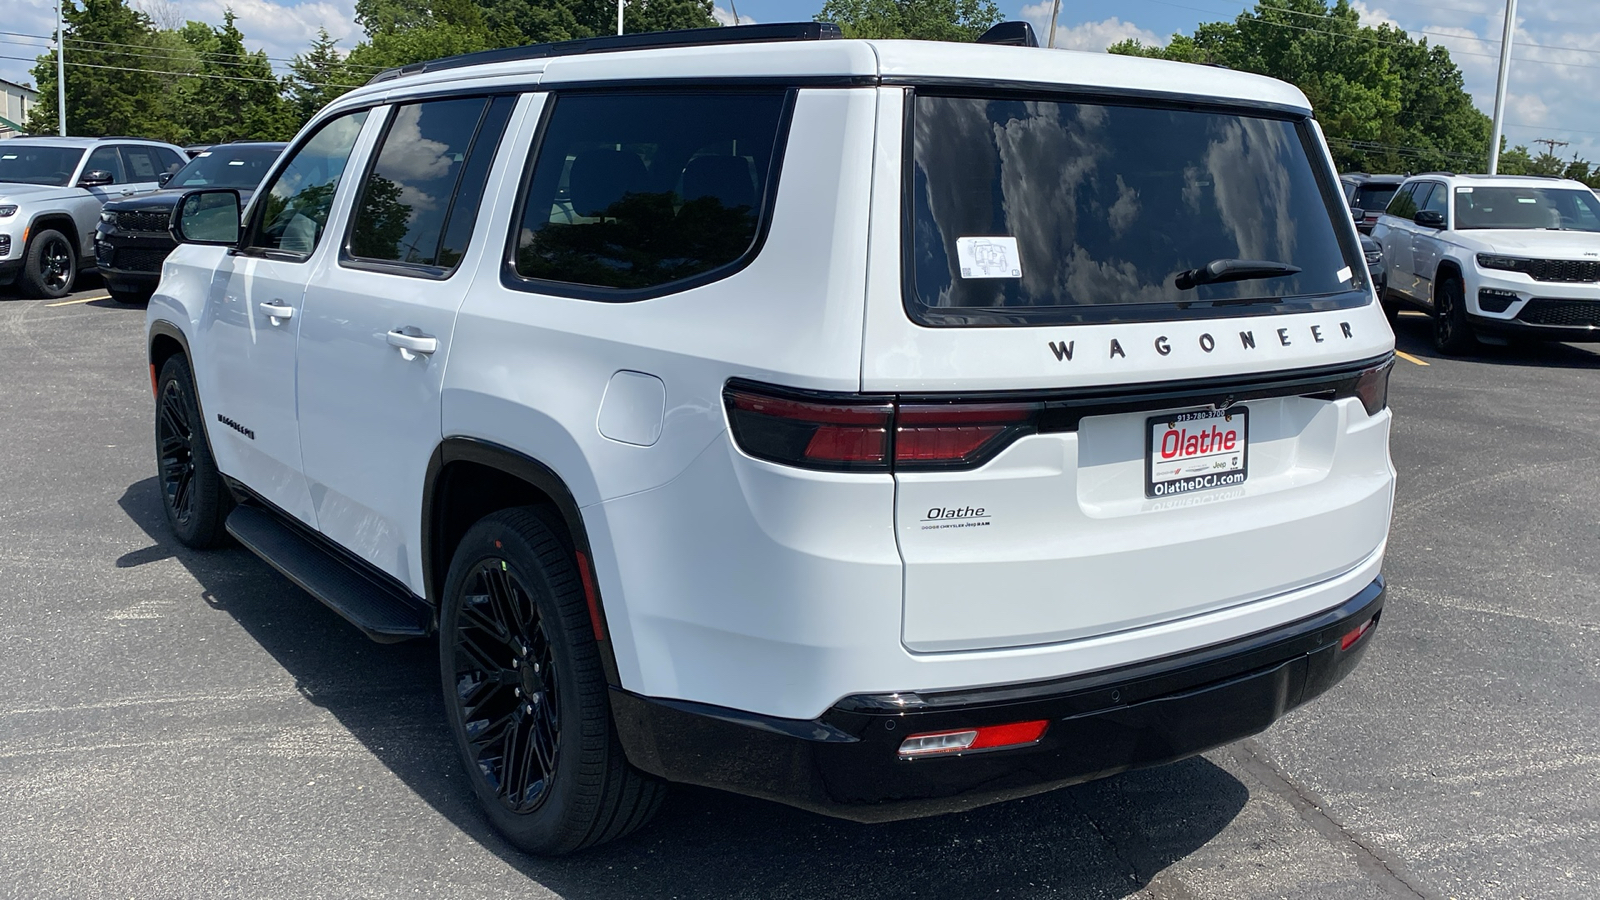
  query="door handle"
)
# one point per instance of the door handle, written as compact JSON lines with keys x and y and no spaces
{"x":412,"y":342}
{"x":277,"y":312}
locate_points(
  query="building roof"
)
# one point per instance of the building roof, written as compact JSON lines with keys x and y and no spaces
{"x":21,"y":87}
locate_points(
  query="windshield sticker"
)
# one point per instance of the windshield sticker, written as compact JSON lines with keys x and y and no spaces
{"x":1526,"y":200}
{"x":205,"y":153}
{"x":9,"y":156}
{"x":1343,"y":274}
{"x":988,"y":257}
{"x":240,"y":162}
{"x":1463,"y":190}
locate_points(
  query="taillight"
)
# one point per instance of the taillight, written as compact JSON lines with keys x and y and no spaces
{"x":815,"y":433}
{"x":939,"y":435}
{"x":1372,"y":386}
{"x":869,"y":434}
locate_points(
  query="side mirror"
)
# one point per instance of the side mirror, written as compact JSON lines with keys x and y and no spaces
{"x":1429,"y":218}
{"x":209,"y":217}
{"x":163,"y":178}
{"x":1357,"y":214}
{"x":96,"y":178}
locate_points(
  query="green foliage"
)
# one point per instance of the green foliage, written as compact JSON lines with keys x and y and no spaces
{"x":235,"y":95}
{"x":666,"y":15}
{"x":316,"y":77}
{"x":928,"y":20}
{"x":101,"y":98}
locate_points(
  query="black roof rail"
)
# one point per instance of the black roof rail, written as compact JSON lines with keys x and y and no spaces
{"x":1445,"y":174}
{"x":1011,"y":34}
{"x":688,"y":37}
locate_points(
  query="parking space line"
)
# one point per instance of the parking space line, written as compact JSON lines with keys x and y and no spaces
{"x":80,"y":300}
{"x":1409,"y":358}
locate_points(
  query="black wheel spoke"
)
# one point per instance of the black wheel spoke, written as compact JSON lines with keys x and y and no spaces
{"x":505,"y":686}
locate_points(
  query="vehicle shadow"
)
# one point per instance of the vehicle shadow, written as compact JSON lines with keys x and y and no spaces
{"x":1414,"y":335}
{"x":1107,"y":839}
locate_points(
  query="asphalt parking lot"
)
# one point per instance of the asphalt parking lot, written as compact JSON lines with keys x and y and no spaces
{"x":175,"y":724}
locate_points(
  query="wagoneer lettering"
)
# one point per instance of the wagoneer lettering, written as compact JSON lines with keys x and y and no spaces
{"x":865,"y":550}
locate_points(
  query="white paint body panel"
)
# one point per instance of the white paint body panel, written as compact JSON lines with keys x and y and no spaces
{"x":741,"y":583}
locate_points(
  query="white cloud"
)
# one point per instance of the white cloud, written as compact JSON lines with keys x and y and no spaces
{"x":1372,"y":17}
{"x":725,"y":17}
{"x":1087,"y":35}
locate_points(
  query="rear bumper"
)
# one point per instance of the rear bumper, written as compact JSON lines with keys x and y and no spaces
{"x":845,"y":763}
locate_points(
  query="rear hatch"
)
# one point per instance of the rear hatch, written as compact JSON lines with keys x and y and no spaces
{"x":1138,"y":371}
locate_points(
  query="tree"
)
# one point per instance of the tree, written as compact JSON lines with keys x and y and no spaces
{"x":928,"y":20}
{"x":233,"y":94}
{"x":1387,"y":103}
{"x":667,"y":15}
{"x":316,"y":77}
{"x":401,"y":33}
{"x":105,"y":39}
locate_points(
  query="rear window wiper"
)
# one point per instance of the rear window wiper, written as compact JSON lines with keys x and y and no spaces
{"x":1220,"y":270}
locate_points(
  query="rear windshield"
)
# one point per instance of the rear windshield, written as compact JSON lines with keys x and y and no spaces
{"x":1564,"y":209}
{"x":1031,"y":212}
{"x":1375,"y":197}
{"x":38,"y":165}
{"x":226,"y":167}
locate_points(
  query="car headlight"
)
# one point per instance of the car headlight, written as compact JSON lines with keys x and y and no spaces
{"x":8,"y":210}
{"x":108,"y":217}
{"x":1373,"y":258}
{"x":1504,"y":263}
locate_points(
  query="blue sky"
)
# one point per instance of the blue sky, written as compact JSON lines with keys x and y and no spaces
{"x":1555,"y":80}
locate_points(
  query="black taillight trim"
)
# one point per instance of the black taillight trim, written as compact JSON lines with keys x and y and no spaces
{"x":1050,"y":411}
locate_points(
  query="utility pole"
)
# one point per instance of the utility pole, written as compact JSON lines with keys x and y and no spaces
{"x":735,"y":7}
{"x":61,"y":71}
{"x":1500,"y":88}
{"x":619,"y":16}
{"x":1552,"y":144}
{"x":1055,"y":12}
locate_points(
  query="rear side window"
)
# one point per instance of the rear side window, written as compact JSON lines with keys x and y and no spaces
{"x":143,"y":163}
{"x":636,"y":191}
{"x":1031,"y":212}
{"x":1373,"y":196}
{"x":428,"y":176}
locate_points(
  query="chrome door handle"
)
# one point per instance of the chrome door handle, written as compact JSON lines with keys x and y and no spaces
{"x":412,"y":344}
{"x":277,"y":313}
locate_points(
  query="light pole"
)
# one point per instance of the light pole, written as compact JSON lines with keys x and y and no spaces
{"x":1055,"y":12}
{"x":1500,"y":87}
{"x":619,"y":16}
{"x":61,"y":72}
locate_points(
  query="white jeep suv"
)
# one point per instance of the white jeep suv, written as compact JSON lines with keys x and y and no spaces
{"x":882,"y":428}
{"x":1495,"y":256}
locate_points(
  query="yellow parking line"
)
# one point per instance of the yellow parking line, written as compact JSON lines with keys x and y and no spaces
{"x":80,"y":300}
{"x":1409,"y":358}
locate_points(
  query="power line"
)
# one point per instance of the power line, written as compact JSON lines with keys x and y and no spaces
{"x":169,"y":51}
{"x":275,"y":81}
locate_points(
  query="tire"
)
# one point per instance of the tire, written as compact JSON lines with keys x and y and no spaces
{"x":526,"y":695}
{"x":131,"y":298}
{"x":1451,"y":333}
{"x":193,"y":494}
{"x":49,"y":267}
{"x":1391,"y":307}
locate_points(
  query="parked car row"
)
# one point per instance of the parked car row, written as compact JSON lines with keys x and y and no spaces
{"x":55,"y":194}
{"x":1490,"y":258}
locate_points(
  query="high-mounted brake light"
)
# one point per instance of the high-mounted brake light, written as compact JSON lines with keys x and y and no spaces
{"x":988,"y":737}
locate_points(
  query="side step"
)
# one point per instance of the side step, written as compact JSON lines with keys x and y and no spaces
{"x":384,"y":611}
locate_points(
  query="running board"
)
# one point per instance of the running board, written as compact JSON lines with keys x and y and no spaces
{"x":384,"y":612}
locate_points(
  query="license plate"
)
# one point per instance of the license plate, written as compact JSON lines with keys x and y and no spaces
{"x":1196,"y":451}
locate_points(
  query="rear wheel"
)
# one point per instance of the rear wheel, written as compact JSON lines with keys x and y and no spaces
{"x":526,"y":695}
{"x":192,"y":492}
{"x":49,"y":266}
{"x":1451,"y":333}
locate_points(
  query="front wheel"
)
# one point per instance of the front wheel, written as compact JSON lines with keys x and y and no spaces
{"x":1451,"y":333}
{"x":192,"y":492}
{"x":526,"y":694}
{"x":49,"y":266}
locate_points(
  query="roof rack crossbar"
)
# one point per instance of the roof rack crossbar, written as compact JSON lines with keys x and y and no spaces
{"x":688,"y":37}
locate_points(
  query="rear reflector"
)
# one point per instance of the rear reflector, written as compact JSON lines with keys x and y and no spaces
{"x":1350,"y":639}
{"x":988,"y":737}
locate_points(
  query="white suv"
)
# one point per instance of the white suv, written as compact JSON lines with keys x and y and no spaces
{"x":1495,"y":256}
{"x":882,"y":428}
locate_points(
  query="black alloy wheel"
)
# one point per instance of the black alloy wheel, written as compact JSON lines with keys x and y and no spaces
{"x":49,"y":266}
{"x":1451,"y":333}
{"x":526,"y":694}
{"x":506,"y":687}
{"x":192,"y":493}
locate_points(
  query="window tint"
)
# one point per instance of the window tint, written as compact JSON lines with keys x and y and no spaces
{"x":640,"y":190}
{"x":105,"y":159}
{"x":295,"y":211}
{"x":429,"y":171}
{"x":142,"y":162}
{"x":1438,"y":201}
{"x":26,"y":164}
{"x":170,"y":161}
{"x":1404,"y":203}
{"x":1567,"y":209}
{"x":1373,"y":196}
{"x":1031,"y":212}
